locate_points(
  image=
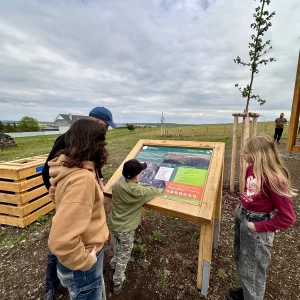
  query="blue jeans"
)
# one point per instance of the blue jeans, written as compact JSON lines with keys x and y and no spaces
{"x":52,"y":280}
{"x":84,"y":285}
{"x":251,"y":253}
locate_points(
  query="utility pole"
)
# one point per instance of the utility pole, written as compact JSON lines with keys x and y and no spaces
{"x":162,"y":121}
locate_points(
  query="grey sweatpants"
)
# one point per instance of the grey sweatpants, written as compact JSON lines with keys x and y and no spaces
{"x":123,"y":243}
{"x":252,"y":253}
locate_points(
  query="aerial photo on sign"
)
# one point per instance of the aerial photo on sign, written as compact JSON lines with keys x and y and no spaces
{"x":178,"y":173}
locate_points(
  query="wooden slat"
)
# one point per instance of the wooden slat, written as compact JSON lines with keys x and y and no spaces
{"x":34,"y":216}
{"x":22,"y":211}
{"x":23,"y":222}
{"x":212,"y":183}
{"x":20,"y":186}
{"x":180,"y":144}
{"x":16,"y":172}
{"x":10,"y":210}
{"x":35,"y":205}
{"x":7,"y":173}
{"x":24,"y":197}
{"x":42,"y":157}
{"x":13,"y":221}
{"x":175,"y":208}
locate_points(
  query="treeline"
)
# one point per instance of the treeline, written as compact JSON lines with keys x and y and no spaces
{"x":26,"y":124}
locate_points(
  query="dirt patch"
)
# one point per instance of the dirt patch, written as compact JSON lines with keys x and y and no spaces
{"x":164,"y":263}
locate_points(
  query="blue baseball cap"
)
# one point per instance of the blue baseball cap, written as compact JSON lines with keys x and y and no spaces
{"x":104,"y":114}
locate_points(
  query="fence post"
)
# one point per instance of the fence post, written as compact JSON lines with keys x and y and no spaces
{"x":193,"y":132}
{"x":254,"y":126}
{"x":233,"y":156}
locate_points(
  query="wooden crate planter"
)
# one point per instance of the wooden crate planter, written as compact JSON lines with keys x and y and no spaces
{"x":23,"y":196}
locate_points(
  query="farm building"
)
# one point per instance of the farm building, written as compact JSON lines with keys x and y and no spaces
{"x":64,"y":121}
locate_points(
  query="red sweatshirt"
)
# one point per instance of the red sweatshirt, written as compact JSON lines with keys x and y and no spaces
{"x":267,"y":201}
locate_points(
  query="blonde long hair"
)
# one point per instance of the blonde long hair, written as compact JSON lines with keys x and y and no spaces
{"x":268,"y":164}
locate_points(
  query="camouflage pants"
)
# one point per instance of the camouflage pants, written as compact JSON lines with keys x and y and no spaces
{"x":123,"y":243}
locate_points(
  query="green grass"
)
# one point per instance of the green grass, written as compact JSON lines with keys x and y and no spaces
{"x":28,"y":146}
{"x":121,"y":141}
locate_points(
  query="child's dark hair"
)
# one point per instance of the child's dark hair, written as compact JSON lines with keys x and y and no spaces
{"x":85,"y":140}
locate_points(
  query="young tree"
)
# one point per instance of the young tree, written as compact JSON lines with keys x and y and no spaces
{"x":2,"y":126}
{"x":258,"y":49}
{"x":28,"y":124}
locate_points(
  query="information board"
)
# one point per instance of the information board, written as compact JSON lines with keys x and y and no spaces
{"x":191,"y":173}
{"x":178,"y":173}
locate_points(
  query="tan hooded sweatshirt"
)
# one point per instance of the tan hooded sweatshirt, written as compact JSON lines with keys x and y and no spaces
{"x":79,"y":223}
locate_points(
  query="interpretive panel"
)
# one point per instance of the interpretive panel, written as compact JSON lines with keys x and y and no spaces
{"x":178,"y":173}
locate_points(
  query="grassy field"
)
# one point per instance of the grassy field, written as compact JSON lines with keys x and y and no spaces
{"x":122,"y":140}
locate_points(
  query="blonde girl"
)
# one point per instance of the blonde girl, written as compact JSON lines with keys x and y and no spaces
{"x":266,"y":206}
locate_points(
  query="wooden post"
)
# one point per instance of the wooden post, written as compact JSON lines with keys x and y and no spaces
{"x":205,"y":255}
{"x":193,"y":132}
{"x":233,"y":155}
{"x":254,"y":126}
{"x":179,"y":132}
{"x":225,"y":130}
{"x":295,"y":112}
{"x":243,"y":164}
{"x":218,"y":211}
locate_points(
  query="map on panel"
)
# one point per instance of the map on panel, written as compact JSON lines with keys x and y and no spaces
{"x":178,"y":173}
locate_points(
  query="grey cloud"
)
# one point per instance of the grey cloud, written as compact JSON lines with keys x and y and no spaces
{"x":140,"y":56}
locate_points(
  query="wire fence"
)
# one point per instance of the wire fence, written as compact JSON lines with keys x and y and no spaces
{"x":211,"y":130}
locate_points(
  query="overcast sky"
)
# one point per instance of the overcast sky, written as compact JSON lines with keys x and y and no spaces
{"x":140,"y":58}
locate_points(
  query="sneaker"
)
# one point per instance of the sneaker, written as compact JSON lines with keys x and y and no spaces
{"x":117,"y":288}
{"x":235,"y":294}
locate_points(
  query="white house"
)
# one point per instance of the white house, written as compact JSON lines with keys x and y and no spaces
{"x":64,"y":121}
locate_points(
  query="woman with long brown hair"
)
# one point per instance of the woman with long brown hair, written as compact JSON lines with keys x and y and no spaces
{"x":79,"y":229}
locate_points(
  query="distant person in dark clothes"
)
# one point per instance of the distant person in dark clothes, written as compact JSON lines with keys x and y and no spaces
{"x":100,"y":115}
{"x":279,"y":125}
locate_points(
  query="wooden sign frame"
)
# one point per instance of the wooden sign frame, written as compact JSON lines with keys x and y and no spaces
{"x":295,"y":113}
{"x":208,"y":213}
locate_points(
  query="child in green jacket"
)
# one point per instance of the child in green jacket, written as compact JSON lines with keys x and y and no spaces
{"x":128,"y":198}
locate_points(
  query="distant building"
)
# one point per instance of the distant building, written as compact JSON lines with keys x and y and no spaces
{"x":64,"y":121}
